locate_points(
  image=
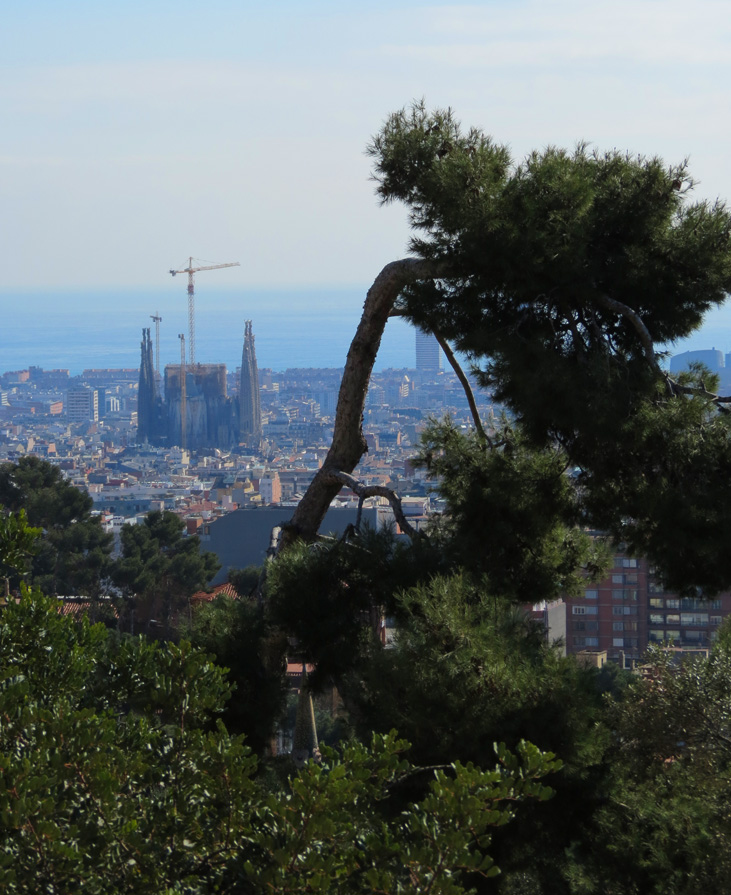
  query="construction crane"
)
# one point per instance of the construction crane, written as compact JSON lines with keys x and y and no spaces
{"x":183,"y":393}
{"x":190,"y":270}
{"x":158,"y":320}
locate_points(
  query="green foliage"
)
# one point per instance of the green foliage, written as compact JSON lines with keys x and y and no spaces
{"x":513,"y":513}
{"x":112,"y":780}
{"x":17,"y":542}
{"x":664,"y":826}
{"x":246,"y":580}
{"x":468,"y":668}
{"x":332,"y":595}
{"x":667,"y":495}
{"x":161,"y":568}
{"x":242,"y":640}
{"x":73,"y":556}
{"x":560,"y":276}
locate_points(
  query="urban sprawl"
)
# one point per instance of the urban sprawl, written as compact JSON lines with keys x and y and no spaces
{"x":232,"y":452}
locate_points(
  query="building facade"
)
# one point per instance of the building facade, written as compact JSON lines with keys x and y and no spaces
{"x":428,"y":353}
{"x":82,"y":405}
{"x":630,"y":609}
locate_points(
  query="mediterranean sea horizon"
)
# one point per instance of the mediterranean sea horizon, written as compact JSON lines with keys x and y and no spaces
{"x":102,"y":328}
{"x":308,"y":327}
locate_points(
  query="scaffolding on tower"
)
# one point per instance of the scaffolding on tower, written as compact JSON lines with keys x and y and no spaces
{"x":183,"y":393}
{"x":158,"y":320}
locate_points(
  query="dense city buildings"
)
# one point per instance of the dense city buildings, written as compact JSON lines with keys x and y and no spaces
{"x":256,"y":438}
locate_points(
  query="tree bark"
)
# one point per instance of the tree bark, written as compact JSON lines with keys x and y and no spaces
{"x":348,"y":444}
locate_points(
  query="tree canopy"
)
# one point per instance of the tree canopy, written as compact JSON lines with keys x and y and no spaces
{"x":160,"y":568}
{"x":73,"y":555}
{"x":562,"y":277}
{"x":115,"y":777}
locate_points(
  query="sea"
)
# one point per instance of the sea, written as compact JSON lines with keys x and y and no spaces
{"x":102,"y":328}
{"x":308,"y":327}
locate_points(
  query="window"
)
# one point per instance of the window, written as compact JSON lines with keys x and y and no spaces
{"x":592,"y":641}
{"x":656,"y":618}
{"x":629,"y":563}
{"x":631,"y":578}
{"x":592,"y":626}
{"x":578,"y":610}
{"x":672,"y":618}
{"x":629,"y":610}
{"x":694,"y":618}
{"x":694,"y":603}
{"x":672,"y":635}
{"x":655,"y":603}
{"x":579,"y":641}
{"x":630,"y":626}
{"x":655,"y":636}
{"x":618,"y":641}
{"x":617,"y":579}
{"x":617,"y":610}
{"x":715,"y":604}
{"x":579,"y":626}
{"x":715,"y":619}
{"x":672,"y":604}
{"x":618,"y":626}
{"x":591,"y":594}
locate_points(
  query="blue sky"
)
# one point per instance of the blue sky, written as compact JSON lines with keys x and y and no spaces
{"x":137,"y":134}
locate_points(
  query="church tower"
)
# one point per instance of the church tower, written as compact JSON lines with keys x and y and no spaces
{"x":249,"y":398}
{"x":147,"y":393}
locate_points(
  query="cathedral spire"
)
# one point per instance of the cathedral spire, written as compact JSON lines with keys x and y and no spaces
{"x":249,"y":399}
{"x":147,"y":393}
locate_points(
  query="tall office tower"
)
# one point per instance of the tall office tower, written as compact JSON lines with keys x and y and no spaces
{"x":147,"y":393}
{"x":249,"y":398}
{"x":82,"y":405}
{"x":428,"y":353}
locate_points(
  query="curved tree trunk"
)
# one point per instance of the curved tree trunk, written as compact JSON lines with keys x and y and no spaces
{"x":348,"y":444}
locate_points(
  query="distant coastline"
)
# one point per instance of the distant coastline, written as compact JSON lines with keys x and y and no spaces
{"x":307,"y":328}
{"x":83,"y":329}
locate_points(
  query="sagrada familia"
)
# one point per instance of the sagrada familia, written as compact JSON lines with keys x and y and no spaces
{"x":195,"y":412}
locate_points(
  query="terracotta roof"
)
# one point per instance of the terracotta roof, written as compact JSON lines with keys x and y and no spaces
{"x":76,"y":607}
{"x":222,"y":590}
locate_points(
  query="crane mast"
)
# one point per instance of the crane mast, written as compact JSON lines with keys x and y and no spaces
{"x":183,"y":394}
{"x":191,"y":271}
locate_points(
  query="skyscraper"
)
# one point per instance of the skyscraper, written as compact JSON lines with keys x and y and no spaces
{"x":428,"y":353}
{"x":249,"y":398}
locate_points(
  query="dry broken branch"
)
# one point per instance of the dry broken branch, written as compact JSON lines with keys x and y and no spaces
{"x":455,"y":365}
{"x":364,"y":491}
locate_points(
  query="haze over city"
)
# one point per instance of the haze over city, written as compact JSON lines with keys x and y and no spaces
{"x":135,"y":135}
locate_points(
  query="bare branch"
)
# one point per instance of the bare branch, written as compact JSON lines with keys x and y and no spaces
{"x":455,"y":365}
{"x":364,"y":491}
{"x":638,"y":323}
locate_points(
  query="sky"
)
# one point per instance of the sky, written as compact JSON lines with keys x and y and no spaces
{"x":138,"y":134}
